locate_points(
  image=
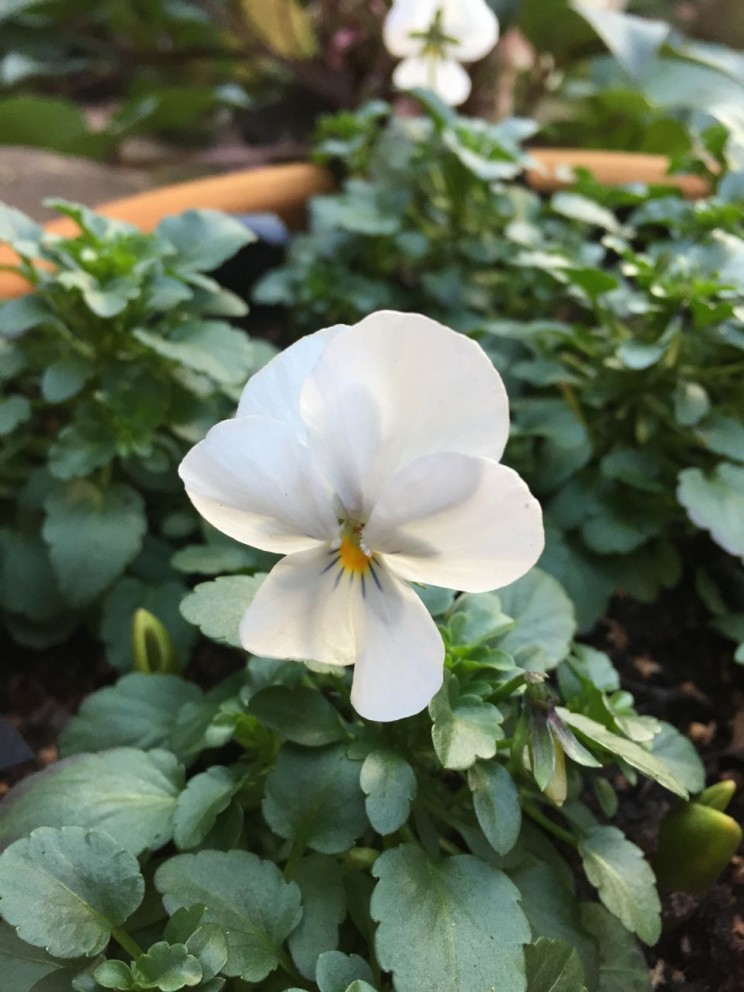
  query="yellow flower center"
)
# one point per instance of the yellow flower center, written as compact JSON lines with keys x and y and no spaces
{"x":352,"y":557}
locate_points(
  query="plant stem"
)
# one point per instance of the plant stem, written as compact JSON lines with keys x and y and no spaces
{"x":508,"y":688}
{"x":548,"y":825}
{"x":298,"y":849}
{"x":128,"y":943}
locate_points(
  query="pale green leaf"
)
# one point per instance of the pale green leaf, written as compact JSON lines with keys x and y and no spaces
{"x":65,"y":378}
{"x":204,"y":239}
{"x":211,"y":347}
{"x":128,"y":793}
{"x":337,"y":971}
{"x":464,"y":729}
{"x":716,"y":503}
{"x":553,"y":966}
{"x":545,"y":621}
{"x":14,"y":411}
{"x":26,"y":968}
{"x":217,"y":607}
{"x":139,"y":711}
{"x":302,"y":715}
{"x":168,"y":967}
{"x":389,"y":784}
{"x":323,"y":910}
{"x":624,"y":880}
{"x":496,"y":803}
{"x":64,"y":889}
{"x":679,"y":755}
{"x":244,"y":895}
{"x":622,"y":966}
{"x":92,"y":534}
{"x":201,"y":802}
{"x":314,"y":797}
{"x":450,"y":925}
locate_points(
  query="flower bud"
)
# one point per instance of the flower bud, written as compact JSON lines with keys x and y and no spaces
{"x":696,"y":843}
{"x":153,"y":647}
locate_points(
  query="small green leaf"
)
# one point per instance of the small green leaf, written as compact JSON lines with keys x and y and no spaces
{"x":217,"y":607}
{"x":314,"y":797}
{"x":724,"y":435}
{"x":114,"y":975}
{"x":92,"y":534}
{"x":465,"y":728}
{"x":212,"y":348}
{"x":323,"y":910}
{"x":14,"y":411}
{"x":139,"y":711}
{"x":629,"y":751}
{"x":679,"y":755}
{"x":244,"y":895}
{"x":451,"y":924}
{"x":302,"y":715}
{"x":553,"y":966}
{"x":622,"y":966}
{"x":201,"y":802}
{"x":624,"y":880}
{"x":545,"y":621}
{"x":65,"y":889}
{"x":337,"y":971}
{"x":204,"y":239}
{"x":19,"y":316}
{"x":634,"y":41}
{"x":389,"y":783}
{"x":477,"y":618}
{"x":64,"y":379}
{"x":128,"y":793}
{"x":30,"y":969}
{"x":205,"y":941}
{"x":168,"y":967}
{"x":581,"y":208}
{"x":716,"y":503}
{"x":496,"y":803}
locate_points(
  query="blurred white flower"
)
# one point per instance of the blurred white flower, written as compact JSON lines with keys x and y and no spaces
{"x":433,"y":37}
{"x":369,"y":456}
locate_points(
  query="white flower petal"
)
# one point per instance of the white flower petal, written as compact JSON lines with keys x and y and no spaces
{"x":457,"y":521}
{"x":445,"y":77}
{"x":399,"y":665}
{"x":253,"y":480}
{"x":274,"y":391}
{"x":303,"y":611}
{"x":407,"y":17}
{"x":473,"y":24}
{"x":393,"y":388}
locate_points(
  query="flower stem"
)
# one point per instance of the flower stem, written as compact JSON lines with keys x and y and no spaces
{"x":295,"y":855}
{"x":128,"y":943}
{"x":547,"y":824}
{"x":508,"y":688}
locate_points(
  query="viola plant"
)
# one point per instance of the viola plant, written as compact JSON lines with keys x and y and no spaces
{"x":370,"y":456}
{"x":114,"y":315}
{"x":432,"y":37}
{"x":614,"y":316}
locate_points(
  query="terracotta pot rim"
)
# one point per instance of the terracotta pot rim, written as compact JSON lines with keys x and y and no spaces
{"x":285,"y":190}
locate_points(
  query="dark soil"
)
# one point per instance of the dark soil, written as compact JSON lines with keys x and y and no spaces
{"x":677,"y":669}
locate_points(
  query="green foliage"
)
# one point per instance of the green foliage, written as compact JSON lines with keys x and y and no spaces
{"x":614,"y":316}
{"x":320,"y":849}
{"x":87,"y":480}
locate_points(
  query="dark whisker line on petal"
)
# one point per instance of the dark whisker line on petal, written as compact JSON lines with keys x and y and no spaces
{"x":364,"y":586}
{"x":329,"y":566}
{"x":374,"y":576}
{"x":338,"y":578}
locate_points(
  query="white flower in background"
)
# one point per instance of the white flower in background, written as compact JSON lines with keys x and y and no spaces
{"x":369,"y":456}
{"x":433,"y":37}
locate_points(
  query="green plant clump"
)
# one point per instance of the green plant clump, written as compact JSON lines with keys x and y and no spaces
{"x":110,"y":371}
{"x":260,"y":836}
{"x":616,"y":317}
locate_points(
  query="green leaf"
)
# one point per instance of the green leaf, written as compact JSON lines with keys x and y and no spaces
{"x":545,"y":621}
{"x":624,"y":880}
{"x":691,"y":403}
{"x":634,"y":41}
{"x":724,"y":435}
{"x":314,"y":798}
{"x":64,"y":379}
{"x":14,"y":411}
{"x":201,"y":802}
{"x":302,"y":715}
{"x":92,"y":535}
{"x":114,"y":975}
{"x":204,"y":239}
{"x":205,"y":941}
{"x":640,"y":355}
{"x":168,"y":967}
{"x":577,"y":207}
{"x":622,"y":965}
{"x":79,"y":449}
{"x":323,"y":910}
{"x":452,"y":924}
{"x":629,"y":751}
{"x":19,"y":316}
{"x":245,"y":896}
{"x":477,"y":618}
{"x":27,"y":583}
{"x":45,"y":122}
{"x":496,"y":803}
{"x":139,"y":711}
{"x":465,"y":728}
{"x":217,"y":607}
{"x":553,"y":966}
{"x":716,"y":503}
{"x":30,"y":969}
{"x":389,"y":784}
{"x":211,"y":347}
{"x":679,"y":755}
{"x":65,"y":889}
{"x":128,"y":793}
{"x":337,"y":972}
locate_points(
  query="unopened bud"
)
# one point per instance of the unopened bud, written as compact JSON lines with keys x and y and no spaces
{"x":153,"y":647}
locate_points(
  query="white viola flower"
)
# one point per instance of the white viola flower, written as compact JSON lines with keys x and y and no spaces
{"x":433,"y":37}
{"x":369,"y":456}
